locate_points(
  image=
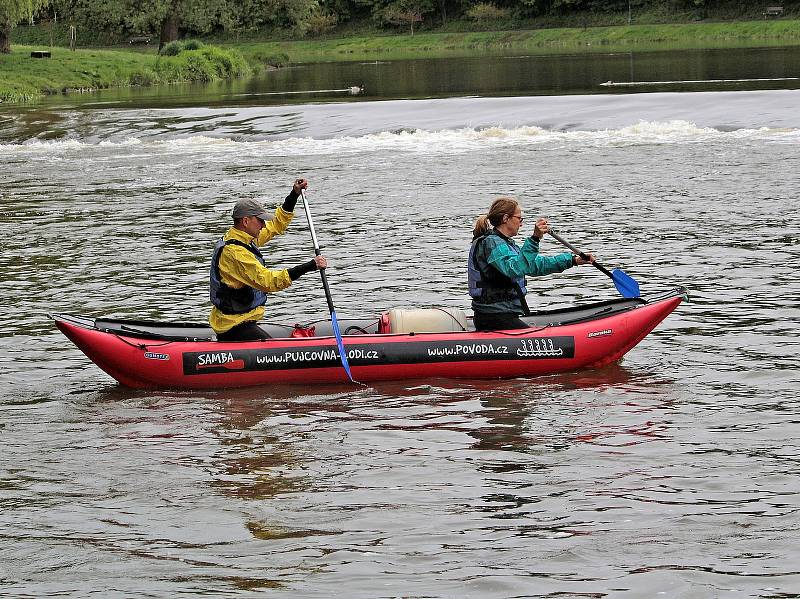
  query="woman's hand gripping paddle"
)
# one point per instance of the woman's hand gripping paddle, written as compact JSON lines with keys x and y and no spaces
{"x":334,"y":322}
{"x":625,"y":284}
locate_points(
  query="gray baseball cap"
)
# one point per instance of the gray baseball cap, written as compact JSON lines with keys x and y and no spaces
{"x":250,"y":207}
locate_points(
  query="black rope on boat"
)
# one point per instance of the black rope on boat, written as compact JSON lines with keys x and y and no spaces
{"x":349,"y":330}
{"x":277,"y":324}
{"x":353,"y":327}
{"x":440,"y":309}
{"x":141,"y":346}
{"x":520,"y":332}
{"x":363,"y":330}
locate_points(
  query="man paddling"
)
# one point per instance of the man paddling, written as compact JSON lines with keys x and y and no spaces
{"x":239,"y":279}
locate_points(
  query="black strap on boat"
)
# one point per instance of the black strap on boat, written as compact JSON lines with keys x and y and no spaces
{"x":143,"y":333}
{"x":141,"y":346}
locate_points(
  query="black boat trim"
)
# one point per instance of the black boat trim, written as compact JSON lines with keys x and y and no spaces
{"x":201,"y":332}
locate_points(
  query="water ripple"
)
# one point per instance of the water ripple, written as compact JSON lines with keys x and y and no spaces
{"x":674,"y":472}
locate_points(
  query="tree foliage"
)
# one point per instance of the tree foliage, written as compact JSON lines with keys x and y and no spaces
{"x":483,"y":12}
{"x":407,"y":12}
{"x":174,"y":19}
{"x":11,"y":13}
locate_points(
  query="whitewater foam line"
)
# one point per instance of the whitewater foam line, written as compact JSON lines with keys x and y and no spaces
{"x":689,"y":81}
{"x":444,"y":141}
{"x":353,"y":90}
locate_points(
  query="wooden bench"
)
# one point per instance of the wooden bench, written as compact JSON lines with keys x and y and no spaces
{"x":40,"y":54}
{"x":773,"y":11}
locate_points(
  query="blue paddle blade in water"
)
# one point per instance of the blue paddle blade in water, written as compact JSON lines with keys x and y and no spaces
{"x":625,"y":284}
{"x":340,"y":344}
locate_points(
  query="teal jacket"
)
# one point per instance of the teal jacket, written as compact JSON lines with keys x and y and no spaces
{"x":497,"y":253}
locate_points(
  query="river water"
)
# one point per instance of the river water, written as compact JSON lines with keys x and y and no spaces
{"x":674,"y":473}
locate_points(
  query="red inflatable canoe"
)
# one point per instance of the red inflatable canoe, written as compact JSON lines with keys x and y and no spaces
{"x":400,"y":344}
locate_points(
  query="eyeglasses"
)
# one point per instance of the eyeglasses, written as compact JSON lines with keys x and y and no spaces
{"x":521,"y":220}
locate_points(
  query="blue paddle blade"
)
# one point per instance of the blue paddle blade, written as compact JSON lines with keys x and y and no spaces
{"x":625,"y":284}
{"x":340,"y":344}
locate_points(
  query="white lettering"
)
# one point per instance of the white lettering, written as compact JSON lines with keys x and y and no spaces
{"x":217,"y":358}
{"x":600,"y":333}
{"x":320,"y":355}
{"x":472,"y":349}
{"x":361,"y":354}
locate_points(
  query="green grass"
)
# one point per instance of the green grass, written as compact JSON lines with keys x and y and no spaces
{"x":538,"y":41}
{"x":23,"y":78}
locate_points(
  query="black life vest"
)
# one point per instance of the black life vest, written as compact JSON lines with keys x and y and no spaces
{"x":228,"y":299}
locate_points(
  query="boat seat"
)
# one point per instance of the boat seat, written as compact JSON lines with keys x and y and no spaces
{"x":423,"y":320}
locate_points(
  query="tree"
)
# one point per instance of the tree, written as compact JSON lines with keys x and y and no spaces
{"x":169,"y":19}
{"x":163,"y":16}
{"x":443,"y":11}
{"x":11,"y":13}
{"x":407,"y":12}
{"x":291,"y":15}
{"x":169,"y":24}
{"x":174,"y":18}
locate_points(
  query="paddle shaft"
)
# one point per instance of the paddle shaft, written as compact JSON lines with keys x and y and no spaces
{"x":318,"y":252}
{"x":334,"y":320}
{"x":575,"y":250}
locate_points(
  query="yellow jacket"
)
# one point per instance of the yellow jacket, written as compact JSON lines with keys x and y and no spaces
{"x":239,"y":267}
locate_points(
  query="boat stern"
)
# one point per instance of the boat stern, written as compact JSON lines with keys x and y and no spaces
{"x":113,"y":354}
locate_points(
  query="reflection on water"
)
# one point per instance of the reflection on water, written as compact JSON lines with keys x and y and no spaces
{"x":252,"y":462}
{"x":480,"y":74}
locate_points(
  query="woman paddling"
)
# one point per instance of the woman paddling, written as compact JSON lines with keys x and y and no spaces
{"x":497,"y":267}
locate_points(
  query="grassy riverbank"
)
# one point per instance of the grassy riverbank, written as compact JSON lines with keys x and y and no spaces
{"x":23,"y":78}
{"x":539,"y":41}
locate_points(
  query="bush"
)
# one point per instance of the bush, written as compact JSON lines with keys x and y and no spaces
{"x":209,"y":63}
{"x":21,"y":93}
{"x":230,"y":63}
{"x":144,"y":77}
{"x":198,"y":67}
{"x":278,"y":60}
{"x":487,"y":12}
{"x":193,"y":45}
{"x":172,"y":48}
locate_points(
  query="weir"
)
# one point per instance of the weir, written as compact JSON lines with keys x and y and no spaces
{"x":692,"y":81}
